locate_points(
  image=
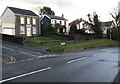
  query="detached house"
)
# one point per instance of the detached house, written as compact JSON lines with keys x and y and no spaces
{"x":20,"y":22}
{"x":80,"y":24}
{"x":50,"y":19}
{"x":106,"y":25}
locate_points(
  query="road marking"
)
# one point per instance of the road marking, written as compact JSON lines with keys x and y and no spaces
{"x":29,"y":59}
{"x":77,"y":60}
{"x":27,"y":53}
{"x":7,"y":48}
{"x":25,"y":74}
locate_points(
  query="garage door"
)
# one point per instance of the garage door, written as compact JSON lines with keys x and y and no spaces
{"x":7,"y":31}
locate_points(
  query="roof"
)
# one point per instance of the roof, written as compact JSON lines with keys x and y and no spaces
{"x":22,"y":11}
{"x":77,"y":21}
{"x":108,"y":23}
{"x":54,"y":17}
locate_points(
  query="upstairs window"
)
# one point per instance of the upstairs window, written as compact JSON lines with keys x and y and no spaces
{"x":64,"y":22}
{"x":34,"y":21}
{"x":55,"y":21}
{"x":60,"y":22}
{"x":22,"y":20}
{"x":28,"y":20}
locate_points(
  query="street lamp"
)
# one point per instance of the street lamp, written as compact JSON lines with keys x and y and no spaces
{"x":110,"y":35}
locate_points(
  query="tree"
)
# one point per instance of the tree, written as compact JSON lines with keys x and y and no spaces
{"x":116,"y":16}
{"x":114,"y":34}
{"x":47,"y":10}
{"x":94,"y":24}
{"x":73,"y":29}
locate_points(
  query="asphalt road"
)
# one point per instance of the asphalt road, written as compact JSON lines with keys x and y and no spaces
{"x":97,"y":65}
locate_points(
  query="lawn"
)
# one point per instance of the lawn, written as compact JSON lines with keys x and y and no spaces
{"x":83,"y":45}
{"x":37,"y":41}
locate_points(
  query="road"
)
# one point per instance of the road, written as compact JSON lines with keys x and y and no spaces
{"x":97,"y":65}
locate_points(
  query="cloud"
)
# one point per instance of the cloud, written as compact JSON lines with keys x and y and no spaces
{"x":59,"y":3}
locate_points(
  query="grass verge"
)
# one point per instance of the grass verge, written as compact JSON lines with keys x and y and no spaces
{"x":83,"y":45}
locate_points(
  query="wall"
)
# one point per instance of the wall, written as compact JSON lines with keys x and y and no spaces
{"x":17,"y":25}
{"x":8,"y":22}
{"x":8,"y":16}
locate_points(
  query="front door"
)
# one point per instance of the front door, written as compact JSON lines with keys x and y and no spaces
{"x":29,"y":31}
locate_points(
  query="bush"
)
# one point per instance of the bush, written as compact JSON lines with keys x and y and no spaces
{"x":115,"y":33}
{"x":11,"y":38}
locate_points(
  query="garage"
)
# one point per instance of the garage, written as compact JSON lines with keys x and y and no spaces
{"x":8,"y":31}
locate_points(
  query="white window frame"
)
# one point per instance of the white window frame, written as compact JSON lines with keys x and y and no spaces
{"x":23,"y":27}
{"x":28,"y":20}
{"x":34,"y":30}
{"x":22,"y":20}
{"x":34,"y":21}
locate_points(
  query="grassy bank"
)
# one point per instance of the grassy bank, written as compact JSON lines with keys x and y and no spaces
{"x":83,"y":45}
{"x":38,"y":41}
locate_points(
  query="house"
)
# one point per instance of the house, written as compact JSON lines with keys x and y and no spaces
{"x":106,"y":25}
{"x":20,"y":22}
{"x":46,"y":20}
{"x":80,"y":24}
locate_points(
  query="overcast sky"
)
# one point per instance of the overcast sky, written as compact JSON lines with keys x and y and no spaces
{"x":72,"y":9}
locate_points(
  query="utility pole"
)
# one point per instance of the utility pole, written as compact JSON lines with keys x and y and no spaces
{"x":110,"y":37}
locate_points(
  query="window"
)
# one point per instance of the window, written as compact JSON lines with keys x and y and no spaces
{"x":64,"y":22}
{"x":34,"y":21}
{"x":41,"y":22}
{"x":60,"y":22}
{"x":55,"y":21}
{"x":22,"y":20}
{"x":28,"y":20}
{"x":22,"y":30}
{"x":34,"y":30}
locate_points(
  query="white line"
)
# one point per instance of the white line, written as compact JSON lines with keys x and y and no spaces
{"x":7,"y":48}
{"x":25,"y":74}
{"x":27,"y":54}
{"x":30,"y":59}
{"x":77,"y":60}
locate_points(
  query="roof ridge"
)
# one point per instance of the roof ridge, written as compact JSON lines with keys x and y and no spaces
{"x":19,"y":8}
{"x":22,"y":11}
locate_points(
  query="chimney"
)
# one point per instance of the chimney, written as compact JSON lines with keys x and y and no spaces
{"x":62,"y":15}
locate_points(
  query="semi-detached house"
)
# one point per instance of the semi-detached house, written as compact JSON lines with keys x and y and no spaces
{"x":20,"y":22}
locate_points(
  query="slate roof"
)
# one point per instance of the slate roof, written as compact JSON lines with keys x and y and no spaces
{"x":77,"y":21}
{"x":22,"y":11}
{"x":56,"y":17}
{"x":109,"y":23}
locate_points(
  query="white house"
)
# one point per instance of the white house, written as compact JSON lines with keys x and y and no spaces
{"x":51,"y":19}
{"x":80,"y":24}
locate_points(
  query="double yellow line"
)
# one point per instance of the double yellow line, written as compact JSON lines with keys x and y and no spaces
{"x":12,"y":59}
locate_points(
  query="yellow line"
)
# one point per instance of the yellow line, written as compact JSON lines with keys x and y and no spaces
{"x":12,"y":59}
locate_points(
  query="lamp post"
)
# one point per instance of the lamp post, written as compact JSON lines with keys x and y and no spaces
{"x":110,"y":37}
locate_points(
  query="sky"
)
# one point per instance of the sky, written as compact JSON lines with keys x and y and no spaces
{"x":72,"y":9}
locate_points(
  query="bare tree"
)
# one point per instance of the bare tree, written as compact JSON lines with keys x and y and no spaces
{"x":38,"y":9}
{"x":116,"y":16}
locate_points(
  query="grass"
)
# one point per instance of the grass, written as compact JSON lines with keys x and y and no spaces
{"x":83,"y":45}
{"x":38,"y":41}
